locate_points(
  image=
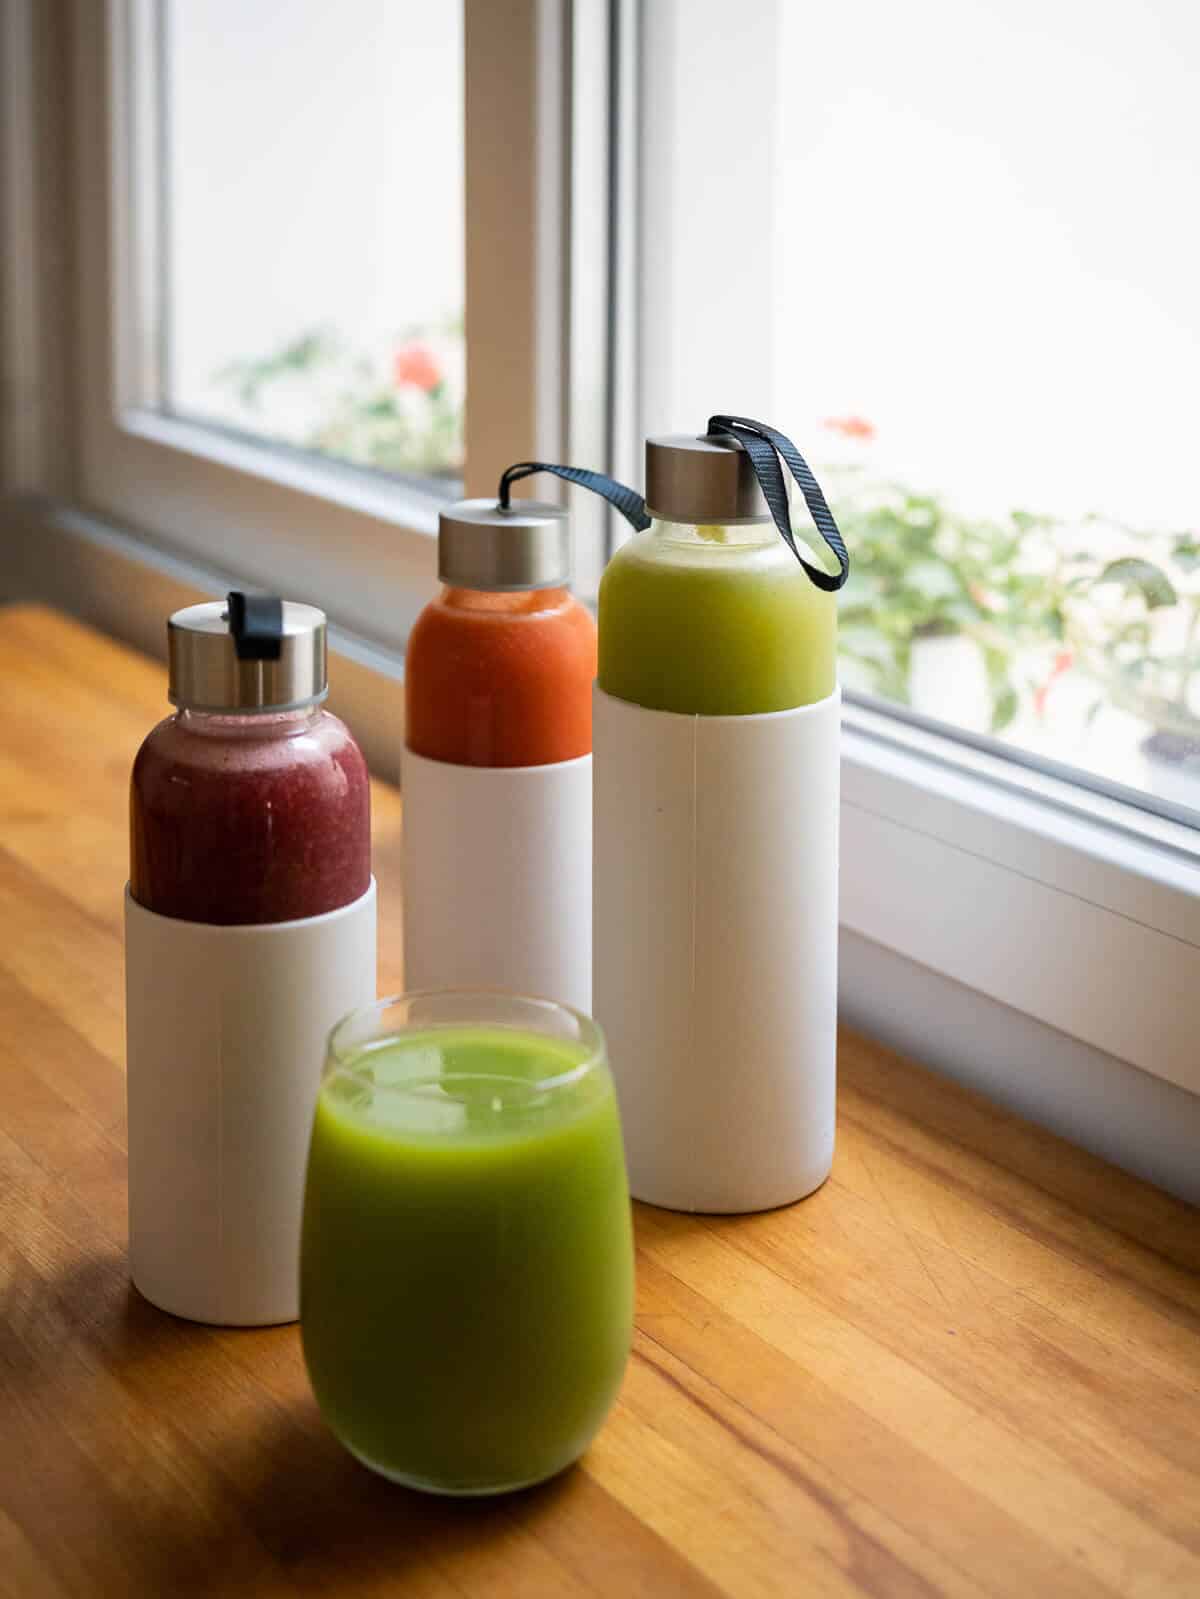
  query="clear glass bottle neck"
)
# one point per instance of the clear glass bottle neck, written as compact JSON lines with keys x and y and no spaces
{"x":248,"y":724}
{"x":714,"y":536}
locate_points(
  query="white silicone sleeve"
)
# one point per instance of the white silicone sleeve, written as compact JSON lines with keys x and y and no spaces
{"x":715,"y":939}
{"x":497,"y":877}
{"x":226,"y":1030}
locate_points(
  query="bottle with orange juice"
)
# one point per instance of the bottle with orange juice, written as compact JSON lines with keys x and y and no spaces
{"x":497,"y":777}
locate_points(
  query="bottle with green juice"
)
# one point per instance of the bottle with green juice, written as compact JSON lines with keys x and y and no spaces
{"x":715,"y":822}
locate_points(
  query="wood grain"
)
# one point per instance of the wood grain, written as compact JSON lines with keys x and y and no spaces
{"x":969,"y":1365}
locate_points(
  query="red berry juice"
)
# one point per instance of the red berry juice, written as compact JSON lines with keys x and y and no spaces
{"x":249,"y":819}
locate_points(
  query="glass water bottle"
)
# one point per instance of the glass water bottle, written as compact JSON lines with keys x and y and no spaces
{"x":497,"y":767}
{"x":250,"y":931}
{"x":716,"y":818}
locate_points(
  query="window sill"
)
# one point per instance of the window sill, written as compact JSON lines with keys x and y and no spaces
{"x":1066,"y":906}
{"x":127,"y":586}
{"x":412,"y":504}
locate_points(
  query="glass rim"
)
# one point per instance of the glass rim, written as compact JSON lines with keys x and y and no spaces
{"x":339,"y":1057}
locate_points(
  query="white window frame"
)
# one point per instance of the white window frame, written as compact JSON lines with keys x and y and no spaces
{"x":1019,"y":887}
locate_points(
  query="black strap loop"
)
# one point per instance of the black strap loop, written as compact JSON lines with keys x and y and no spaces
{"x":766,"y":446}
{"x":628,"y":501}
{"x":256,"y":623}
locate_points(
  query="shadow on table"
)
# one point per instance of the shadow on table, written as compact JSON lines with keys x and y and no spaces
{"x":93,"y":1305}
{"x":293,"y":1505}
{"x":220,"y":1478}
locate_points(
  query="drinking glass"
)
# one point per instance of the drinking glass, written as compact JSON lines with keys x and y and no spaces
{"x":466,"y":1295}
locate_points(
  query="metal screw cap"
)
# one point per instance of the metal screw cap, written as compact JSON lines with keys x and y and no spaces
{"x":701,"y":480}
{"x":277,"y":667}
{"x":481,"y":546}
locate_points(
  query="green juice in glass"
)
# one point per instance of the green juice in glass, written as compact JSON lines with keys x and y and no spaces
{"x":467,"y":1267}
{"x":714,"y":621}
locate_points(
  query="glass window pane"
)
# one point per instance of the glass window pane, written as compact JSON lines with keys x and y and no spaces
{"x":314,"y":235}
{"x":991,"y":333}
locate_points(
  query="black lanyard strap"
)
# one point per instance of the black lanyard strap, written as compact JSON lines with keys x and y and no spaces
{"x":766,"y":447}
{"x":628,"y":501}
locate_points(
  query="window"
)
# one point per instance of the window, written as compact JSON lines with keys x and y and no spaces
{"x":990,"y":339}
{"x":312,"y":251}
{"x":950,"y":253}
{"x":284,"y":212}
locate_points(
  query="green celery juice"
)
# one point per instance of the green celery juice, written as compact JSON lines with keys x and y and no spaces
{"x":467,"y":1267}
{"x":714,"y":621}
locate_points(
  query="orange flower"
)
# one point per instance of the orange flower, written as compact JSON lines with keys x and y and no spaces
{"x":850,"y":427}
{"x":416,"y":367}
{"x":1063,"y":662}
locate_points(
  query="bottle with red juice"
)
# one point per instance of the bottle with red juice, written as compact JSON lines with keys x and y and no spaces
{"x":250,"y":931}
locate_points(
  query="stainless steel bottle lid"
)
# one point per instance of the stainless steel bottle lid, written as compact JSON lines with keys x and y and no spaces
{"x":273,"y":661}
{"x":701,"y":480}
{"x":481,"y":546}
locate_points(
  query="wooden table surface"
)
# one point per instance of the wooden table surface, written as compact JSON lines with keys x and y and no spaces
{"x":969,"y":1365}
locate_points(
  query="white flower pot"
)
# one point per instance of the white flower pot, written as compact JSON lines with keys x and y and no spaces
{"x":947,"y":679}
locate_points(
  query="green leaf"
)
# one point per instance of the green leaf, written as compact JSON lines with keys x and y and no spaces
{"x":1134,"y":636}
{"x":866,"y":644}
{"x":922,"y":511}
{"x":1185,"y":552}
{"x":996,"y":661}
{"x":859,"y":591}
{"x":933,"y":581}
{"x":1004,"y":708}
{"x":1137,"y":576}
